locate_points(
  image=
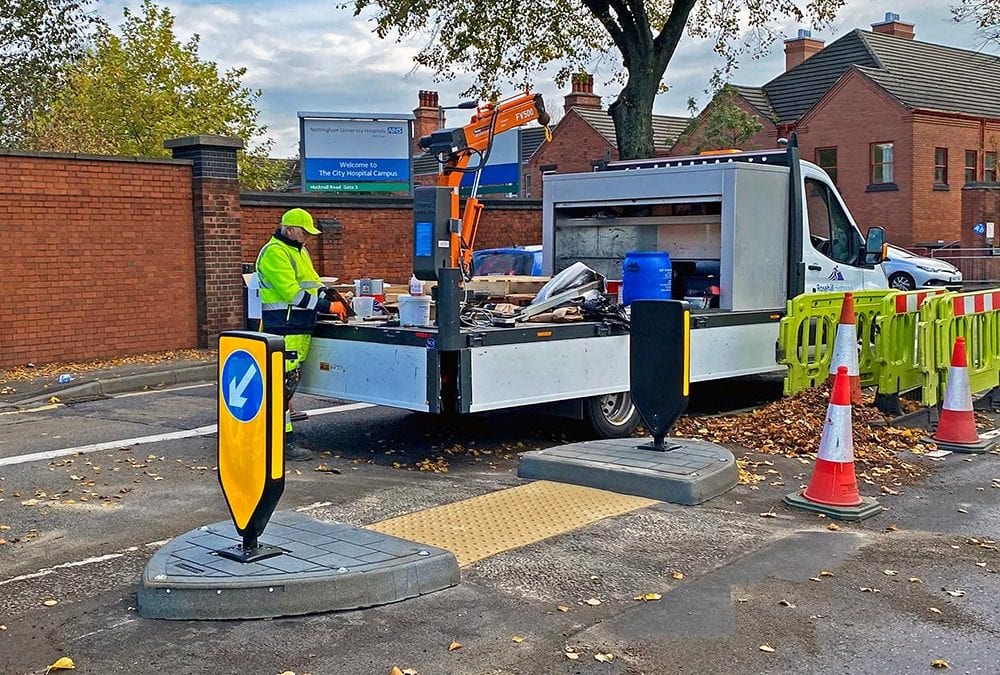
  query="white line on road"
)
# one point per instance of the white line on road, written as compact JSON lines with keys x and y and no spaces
{"x":164,"y":391}
{"x":46,"y":571}
{"x":314,"y":505}
{"x":156,"y":438}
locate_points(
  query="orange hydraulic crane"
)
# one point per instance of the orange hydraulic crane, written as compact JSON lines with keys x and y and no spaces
{"x":455,"y":149}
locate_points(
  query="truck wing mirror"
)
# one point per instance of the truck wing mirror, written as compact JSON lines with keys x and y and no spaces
{"x":875,"y":246}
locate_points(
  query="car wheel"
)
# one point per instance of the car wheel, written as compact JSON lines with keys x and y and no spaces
{"x":611,"y":415}
{"x":901,"y":281}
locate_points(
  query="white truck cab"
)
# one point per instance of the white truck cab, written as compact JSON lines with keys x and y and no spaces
{"x":835,"y":243}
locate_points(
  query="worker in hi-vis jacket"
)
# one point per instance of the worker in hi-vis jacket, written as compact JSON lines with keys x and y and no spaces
{"x":291,"y":295}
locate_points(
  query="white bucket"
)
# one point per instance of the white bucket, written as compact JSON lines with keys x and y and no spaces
{"x":414,"y":310}
{"x":363,"y":306}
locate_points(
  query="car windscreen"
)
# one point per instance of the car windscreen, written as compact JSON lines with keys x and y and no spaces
{"x":513,"y":262}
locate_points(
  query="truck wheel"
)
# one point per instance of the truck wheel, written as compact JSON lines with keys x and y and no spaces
{"x":611,"y":415}
{"x":901,"y":281}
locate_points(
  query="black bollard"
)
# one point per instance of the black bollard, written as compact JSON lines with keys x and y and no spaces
{"x":659,"y":365}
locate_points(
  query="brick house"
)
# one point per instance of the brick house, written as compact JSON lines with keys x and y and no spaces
{"x":585,"y":136}
{"x":908,"y":130}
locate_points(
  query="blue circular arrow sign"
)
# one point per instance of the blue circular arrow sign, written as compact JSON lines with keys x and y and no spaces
{"x":242,"y":385}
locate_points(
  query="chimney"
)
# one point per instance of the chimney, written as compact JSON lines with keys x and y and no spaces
{"x":893,"y":26}
{"x":426,"y":117}
{"x":800,"y":48}
{"x":582,"y":94}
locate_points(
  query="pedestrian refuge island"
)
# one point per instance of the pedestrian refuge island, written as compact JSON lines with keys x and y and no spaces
{"x":265,"y":563}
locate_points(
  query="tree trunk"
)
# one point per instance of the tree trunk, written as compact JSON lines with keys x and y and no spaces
{"x":632,"y":111}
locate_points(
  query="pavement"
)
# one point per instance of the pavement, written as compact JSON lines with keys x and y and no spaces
{"x":91,"y":383}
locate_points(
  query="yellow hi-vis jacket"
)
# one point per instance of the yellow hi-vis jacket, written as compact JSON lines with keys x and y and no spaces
{"x":289,"y":287}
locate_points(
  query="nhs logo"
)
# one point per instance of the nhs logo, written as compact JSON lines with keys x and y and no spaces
{"x":393,"y":130}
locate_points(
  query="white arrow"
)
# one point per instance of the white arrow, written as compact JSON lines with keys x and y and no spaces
{"x":236,"y":397}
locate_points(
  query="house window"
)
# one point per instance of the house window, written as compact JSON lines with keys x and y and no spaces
{"x":881,"y":163}
{"x":970,"y":166}
{"x":990,"y":167}
{"x":826,"y":158}
{"x":941,"y":166}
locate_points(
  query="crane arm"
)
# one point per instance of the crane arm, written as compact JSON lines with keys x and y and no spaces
{"x":456,"y":147}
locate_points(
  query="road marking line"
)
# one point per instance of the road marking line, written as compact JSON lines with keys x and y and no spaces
{"x":49,"y":570}
{"x":164,"y":391}
{"x":101,"y":630}
{"x":311,"y":507}
{"x":47,"y":406}
{"x":156,"y":438}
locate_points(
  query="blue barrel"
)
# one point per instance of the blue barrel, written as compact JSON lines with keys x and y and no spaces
{"x":646,"y":275}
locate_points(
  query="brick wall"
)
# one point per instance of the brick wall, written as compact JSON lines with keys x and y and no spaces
{"x":97,"y":257}
{"x":374,"y":236}
{"x":853,"y":114}
{"x":575,"y":146}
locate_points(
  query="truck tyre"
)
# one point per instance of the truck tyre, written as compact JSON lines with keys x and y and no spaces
{"x":611,"y":415}
{"x":901,"y":281}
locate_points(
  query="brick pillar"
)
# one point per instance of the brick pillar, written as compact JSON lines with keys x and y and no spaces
{"x":581,"y":94}
{"x":893,"y":26}
{"x":800,"y":48}
{"x":216,"y":200}
{"x":980,"y":204}
{"x":427,"y":118}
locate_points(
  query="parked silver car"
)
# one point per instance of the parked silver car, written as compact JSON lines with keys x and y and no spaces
{"x":907,"y":271}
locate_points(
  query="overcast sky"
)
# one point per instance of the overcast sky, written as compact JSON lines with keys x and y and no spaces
{"x":309,"y":55}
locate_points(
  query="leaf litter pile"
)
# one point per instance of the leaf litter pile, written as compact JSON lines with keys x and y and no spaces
{"x":793,"y":426}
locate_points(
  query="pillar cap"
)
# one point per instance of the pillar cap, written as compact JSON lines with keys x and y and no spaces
{"x":207,"y":140}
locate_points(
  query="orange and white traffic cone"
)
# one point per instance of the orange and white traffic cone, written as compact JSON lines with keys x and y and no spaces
{"x":845,"y":348}
{"x":833,"y":488}
{"x":956,"y":429}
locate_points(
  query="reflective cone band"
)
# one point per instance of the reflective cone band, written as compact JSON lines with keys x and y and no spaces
{"x":845,"y":348}
{"x":833,"y":482}
{"x":958,"y":422}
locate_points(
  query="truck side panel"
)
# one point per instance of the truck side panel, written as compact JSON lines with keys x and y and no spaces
{"x":756,"y":240}
{"x":732,"y":351}
{"x":370,"y":372}
{"x":505,"y":376}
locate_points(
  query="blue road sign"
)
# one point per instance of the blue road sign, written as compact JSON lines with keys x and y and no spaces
{"x":979,"y":228}
{"x":242,"y":385}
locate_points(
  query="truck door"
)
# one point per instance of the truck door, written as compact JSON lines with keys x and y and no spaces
{"x":834,"y":245}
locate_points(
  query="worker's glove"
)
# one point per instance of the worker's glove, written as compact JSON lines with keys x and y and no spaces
{"x":337,"y":308}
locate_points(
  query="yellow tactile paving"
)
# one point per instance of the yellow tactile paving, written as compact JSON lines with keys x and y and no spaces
{"x":482,"y":526}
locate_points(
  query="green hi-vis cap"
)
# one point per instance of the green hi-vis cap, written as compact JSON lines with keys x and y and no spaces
{"x":300,"y":218}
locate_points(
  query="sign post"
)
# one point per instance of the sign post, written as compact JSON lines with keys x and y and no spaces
{"x":251,"y":435}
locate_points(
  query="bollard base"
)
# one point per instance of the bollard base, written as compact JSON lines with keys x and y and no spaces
{"x":325,"y":566}
{"x":255,"y":554}
{"x":866,"y":509}
{"x":691,"y":472}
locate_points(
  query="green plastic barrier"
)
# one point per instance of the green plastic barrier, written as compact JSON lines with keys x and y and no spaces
{"x":806,"y":337}
{"x":976,"y":317}
{"x":903,"y":325}
{"x":930,"y":391}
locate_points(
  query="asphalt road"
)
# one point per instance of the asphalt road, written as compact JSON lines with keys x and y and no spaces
{"x":86,"y":505}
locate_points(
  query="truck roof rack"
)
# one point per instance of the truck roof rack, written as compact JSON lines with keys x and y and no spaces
{"x":777,"y":157}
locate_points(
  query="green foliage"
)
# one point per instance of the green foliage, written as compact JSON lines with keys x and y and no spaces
{"x":723,"y":124}
{"x":38,"y":39}
{"x":983,"y":14}
{"x":504,"y":43}
{"x":138,"y":86}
